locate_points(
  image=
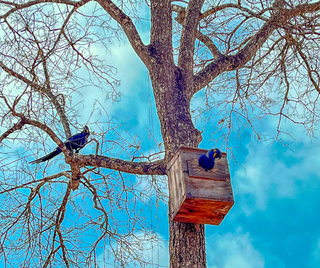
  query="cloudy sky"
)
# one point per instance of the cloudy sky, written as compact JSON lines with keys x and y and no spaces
{"x":274,"y":222}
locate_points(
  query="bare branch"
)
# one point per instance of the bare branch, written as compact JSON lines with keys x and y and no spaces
{"x":200,"y":36}
{"x":142,"y":168}
{"x":59,"y":219}
{"x":188,"y":35}
{"x":15,"y":127}
{"x":128,"y":27}
{"x":76,"y":4}
{"x":209,"y":44}
{"x":41,"y":181}
{"x":301,"y":9}
{"x":304,"y":58}
{"x":228,"y":63}
{"x":236,"y":6}
{"x":46,"y":90}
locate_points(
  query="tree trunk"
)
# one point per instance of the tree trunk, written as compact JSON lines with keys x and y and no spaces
{"x":187,"y":245}
{"x":171,"y":88}
{"x":187,"y":241}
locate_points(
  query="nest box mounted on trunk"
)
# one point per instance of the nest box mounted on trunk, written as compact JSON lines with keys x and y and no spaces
{"x":197,"y":195}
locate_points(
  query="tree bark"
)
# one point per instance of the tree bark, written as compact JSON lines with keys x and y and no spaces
{"x":187,"y":245}
{"x":187,"y":241}
{"x":171,"y":87}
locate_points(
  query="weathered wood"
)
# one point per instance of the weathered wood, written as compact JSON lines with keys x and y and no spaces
{"x":217,"y":173}
{"x":198,"y":196}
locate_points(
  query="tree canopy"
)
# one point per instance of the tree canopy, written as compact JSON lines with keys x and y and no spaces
{"x":231,"y":63}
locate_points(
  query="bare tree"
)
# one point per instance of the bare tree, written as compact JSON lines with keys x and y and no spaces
{"x":247,"y":60}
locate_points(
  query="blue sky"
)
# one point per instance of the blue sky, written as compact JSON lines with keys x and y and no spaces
{"x":274,"y":222}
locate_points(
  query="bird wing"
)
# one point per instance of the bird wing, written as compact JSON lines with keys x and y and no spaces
{"x":75,"y":142}
{"x":206,"y":162}
{"x":202,"y":159}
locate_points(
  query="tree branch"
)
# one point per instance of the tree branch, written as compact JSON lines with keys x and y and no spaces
{"x":233,"y":62}
{"x":139,"y":168}
{"x":59,"y":219}
{"x":209,"y":44}
{"x":128,"y":27}
{"x":181,"y":13}
{"x":161,"y":33}
{"x":78,"y":161}
{"x":116,"y":13}
{"x":46,"y":129}
{"x":308,"y":67}
{"x":15,"y":127}
{"x":46,"y":90}
{"x":41,"y":181}
{"x":236,"y":6}
{"x":188,"y":35}
{"x":35,"y":123}
{"x":301,"y":9}
{"x":16,"y":7}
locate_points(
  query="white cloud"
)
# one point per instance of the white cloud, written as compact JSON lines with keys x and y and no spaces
{"x":233,"y":250}
{"x":133,"y":76}
{"x":272,"y":173}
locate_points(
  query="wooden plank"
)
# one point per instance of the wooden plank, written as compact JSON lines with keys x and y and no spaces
{"x":193,"y":150}
{"x":203,"y":211}
{"x":208,"y":189}
{"x":176,"y":184}
{"x":198,"y":196}
{"x":180,"y":182}
{"x":173,"y":160}
{"x":172,"y":189}
{"x":217,"y":173}
{"x":196,"y":151}
{"x":174,"y":212}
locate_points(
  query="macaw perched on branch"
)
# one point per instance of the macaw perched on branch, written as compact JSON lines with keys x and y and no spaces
{"x":76,"y":142}
{"x":207,"y":160}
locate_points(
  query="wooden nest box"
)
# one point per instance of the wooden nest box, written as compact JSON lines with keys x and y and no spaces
{"x":196,"y":195}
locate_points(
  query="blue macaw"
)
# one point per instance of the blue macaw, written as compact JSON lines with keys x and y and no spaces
{"x":207,"y":160}
{"x":76,"y":142}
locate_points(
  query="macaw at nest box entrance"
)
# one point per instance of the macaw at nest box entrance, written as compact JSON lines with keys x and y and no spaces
{"x":197,"y":195}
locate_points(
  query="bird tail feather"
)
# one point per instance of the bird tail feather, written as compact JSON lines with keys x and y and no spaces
{"x":47,"y":157}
